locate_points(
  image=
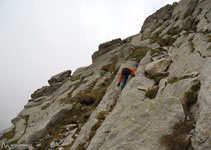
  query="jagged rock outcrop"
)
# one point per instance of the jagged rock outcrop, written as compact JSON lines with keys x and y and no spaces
{"x":157,"y":66}
{"x":59,"y":77}
{"x":167,"y":102}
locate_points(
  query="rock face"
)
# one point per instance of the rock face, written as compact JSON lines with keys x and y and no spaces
{"x":158,"y":66}
{"x":60,"y":77}
{"x":166,"y":103}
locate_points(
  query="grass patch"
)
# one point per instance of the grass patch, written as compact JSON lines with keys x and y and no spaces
{"x":178,"y":139}
{"x":138,"y":53}
{"x":173,"y":31}
{"x":110,"y":67}
{"x":151,"y":93}
{"x":162,"y":42}
{"x":157,"y":77}
{"x":177,"y":79}
{"x":9,"y":135}
{"x":45,"y":106}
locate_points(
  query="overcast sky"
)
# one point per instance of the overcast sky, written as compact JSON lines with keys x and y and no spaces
{"x":40,"y":38}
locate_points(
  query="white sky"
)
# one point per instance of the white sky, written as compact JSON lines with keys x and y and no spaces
{"x":40,"y":38}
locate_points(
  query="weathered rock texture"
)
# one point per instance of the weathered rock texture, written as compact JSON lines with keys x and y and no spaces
{"x":87,"y":110}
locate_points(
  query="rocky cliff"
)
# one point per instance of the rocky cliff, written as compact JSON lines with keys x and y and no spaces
{"x":166,"y":106}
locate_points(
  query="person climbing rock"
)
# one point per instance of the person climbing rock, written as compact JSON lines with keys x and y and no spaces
{"x":124,"y":76}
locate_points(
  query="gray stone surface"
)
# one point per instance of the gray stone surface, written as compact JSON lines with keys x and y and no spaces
{"x":158,"y":66}
{"x":136,"y":122}
{"x":202,"y":135}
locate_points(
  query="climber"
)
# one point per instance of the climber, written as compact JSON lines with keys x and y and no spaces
{"x":124,"y":76}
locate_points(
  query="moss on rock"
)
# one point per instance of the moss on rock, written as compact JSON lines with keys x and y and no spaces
{"x":138,"y":53}
{"x":102,"y":115}
{"x":162,"y":42}
{"x":173,"y":31}
{"x":177,"y":79}
{"x":157,"y":77}
{"x":151,"y":93}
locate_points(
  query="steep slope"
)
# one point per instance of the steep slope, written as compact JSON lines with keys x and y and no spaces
{"x":165,"y":106}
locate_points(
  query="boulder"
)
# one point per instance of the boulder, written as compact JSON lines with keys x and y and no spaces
{"x":59,"y":77}
{"x":45,"y":90}
{"x":106,"y":47}
{"x":110,"y":43}
{"x":158,"y":66}
{"x":32,"y":104}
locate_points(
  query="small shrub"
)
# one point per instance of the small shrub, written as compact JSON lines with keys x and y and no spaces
{"x":102,"y":115}
{"x":95,"y":127}
{"x":151,"y":93}
{"x":177,"y":139}
{"x":190,"y":98}
{"x":138,"y":53}
{"x":195,"y":87}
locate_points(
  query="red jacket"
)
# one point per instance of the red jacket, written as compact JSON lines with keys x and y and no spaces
{"x":131,"y":72}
